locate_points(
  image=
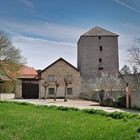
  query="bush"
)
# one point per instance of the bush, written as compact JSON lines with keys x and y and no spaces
{"x":121,"y":101}
{"x":7,"y":87}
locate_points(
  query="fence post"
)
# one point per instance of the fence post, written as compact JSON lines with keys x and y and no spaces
{"x":127,"y":95}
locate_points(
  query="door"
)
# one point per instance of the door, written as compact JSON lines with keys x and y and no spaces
{"x":30,"y":89}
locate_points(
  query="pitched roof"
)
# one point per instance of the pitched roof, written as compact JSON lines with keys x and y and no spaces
{"x":28,"y":72}
{"x":60,"y":59}
{"x":98,"y":31}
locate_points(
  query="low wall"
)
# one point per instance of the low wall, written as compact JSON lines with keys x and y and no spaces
{"x":135,"y":99}
{"x":94,"y":95}
{"x":6,"y":96}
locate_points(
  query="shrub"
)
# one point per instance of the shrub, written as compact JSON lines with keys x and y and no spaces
{"x":121,"y":101}
{"x":7,"y":87}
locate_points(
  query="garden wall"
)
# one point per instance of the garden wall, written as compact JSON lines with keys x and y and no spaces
{"x":6,"y":96}
{"x":94,"y":94}
{"x":135,"y":99}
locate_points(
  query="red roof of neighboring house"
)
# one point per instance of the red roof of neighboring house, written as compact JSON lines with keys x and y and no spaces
{"x":28,"y":72}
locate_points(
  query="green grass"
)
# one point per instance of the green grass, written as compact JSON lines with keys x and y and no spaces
{"x":23,"y":121}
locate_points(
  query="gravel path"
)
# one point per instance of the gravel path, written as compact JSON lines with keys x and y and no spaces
{"x":79,"y":103}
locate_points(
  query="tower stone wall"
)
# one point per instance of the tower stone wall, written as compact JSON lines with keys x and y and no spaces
{"x":97,"y":53}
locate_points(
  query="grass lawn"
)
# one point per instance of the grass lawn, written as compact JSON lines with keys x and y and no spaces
{"x":19,"y":121}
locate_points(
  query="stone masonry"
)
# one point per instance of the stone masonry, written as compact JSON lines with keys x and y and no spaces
{"x":97,"y":52}
{"x":60,"y":69}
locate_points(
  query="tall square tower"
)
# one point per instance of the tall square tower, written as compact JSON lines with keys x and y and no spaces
{"x":97,"y":53}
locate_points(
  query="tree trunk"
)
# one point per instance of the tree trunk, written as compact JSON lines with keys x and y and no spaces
{"x":65,"y":99}
{"x":55,"y":94}
{"x":45,"y":97}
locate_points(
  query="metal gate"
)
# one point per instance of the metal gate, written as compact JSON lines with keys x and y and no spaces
{"x":30,"y":89}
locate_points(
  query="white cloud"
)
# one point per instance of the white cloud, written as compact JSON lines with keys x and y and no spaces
{"x":45,"y":30}
{"x":59,"y":41}
{"x":127,"y":6}
{"x":40,"y":53}
{"x":43,"y":42}
{"x":27,"y":3}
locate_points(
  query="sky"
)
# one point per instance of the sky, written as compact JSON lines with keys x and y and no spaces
{"x":46,"y":30}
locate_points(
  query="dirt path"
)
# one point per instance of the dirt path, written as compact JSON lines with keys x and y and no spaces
{"x":79,"y":103}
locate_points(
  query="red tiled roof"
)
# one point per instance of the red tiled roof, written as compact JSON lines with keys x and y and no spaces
{"x":28,"y":72}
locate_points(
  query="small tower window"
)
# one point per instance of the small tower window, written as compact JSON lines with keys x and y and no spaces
{"x":99,"y":37}
{"x":100,"y":68}
{"x":100,"y":59}
{"x":101,"y":48}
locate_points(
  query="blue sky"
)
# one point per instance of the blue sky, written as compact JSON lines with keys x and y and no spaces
{"x":48,"y":29}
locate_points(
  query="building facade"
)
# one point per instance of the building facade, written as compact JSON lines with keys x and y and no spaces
{"x":97,"y":53}
{"x":57,"y":72}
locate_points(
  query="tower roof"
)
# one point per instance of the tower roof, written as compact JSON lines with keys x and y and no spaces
{"x":97,"y":31}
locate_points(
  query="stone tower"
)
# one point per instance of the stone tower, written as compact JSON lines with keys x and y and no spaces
{"x":97,"y":53}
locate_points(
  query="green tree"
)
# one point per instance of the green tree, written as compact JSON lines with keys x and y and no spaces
{"x":11,"y":59}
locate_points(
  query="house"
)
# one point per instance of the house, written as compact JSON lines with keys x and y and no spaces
{"x":31,"y":84}
{"x":59,"y":71}
{"x":27,"y":84}
{"x":97,"y":53}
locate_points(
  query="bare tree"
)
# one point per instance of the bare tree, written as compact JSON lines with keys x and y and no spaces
{"x":134,"y":54}
{"x":125,"y":70}
{"x":108,"y":82}
{"x":135,"y":70}
{"x":11,"y":59}
{"x":65,"y":93}
{"x":45,"y":84}
{"x":57,"y":84}
{"x":66,"y":83}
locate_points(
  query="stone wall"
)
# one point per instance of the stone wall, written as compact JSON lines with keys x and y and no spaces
{"x":60,"y":70}
{"x":135,"y":99}
{"x":89,"y":54}
{"x":6,"y":96}
{"x":18,"y":93}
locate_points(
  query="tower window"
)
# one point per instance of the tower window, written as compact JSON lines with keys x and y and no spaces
{"x":100,"y":68}
{"x":101,"y":48}
{"x":100,"y":59}
{"x":99,"y":37}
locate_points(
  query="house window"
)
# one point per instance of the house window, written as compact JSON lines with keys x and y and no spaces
{"x":69,"y":78}
{"x":69,"y":91}
{"x":100,"y":68}
{"x":51,"y":78}
{"x":99,"y":37}
{"x":51,"y":91}
{"x":100,"y":59}
{"x":101,"y":48}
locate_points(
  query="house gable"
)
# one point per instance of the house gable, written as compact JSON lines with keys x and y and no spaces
{"x":57,"y":64}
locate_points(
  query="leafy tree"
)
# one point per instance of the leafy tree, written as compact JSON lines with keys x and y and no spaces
{"x":11,"y":59}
